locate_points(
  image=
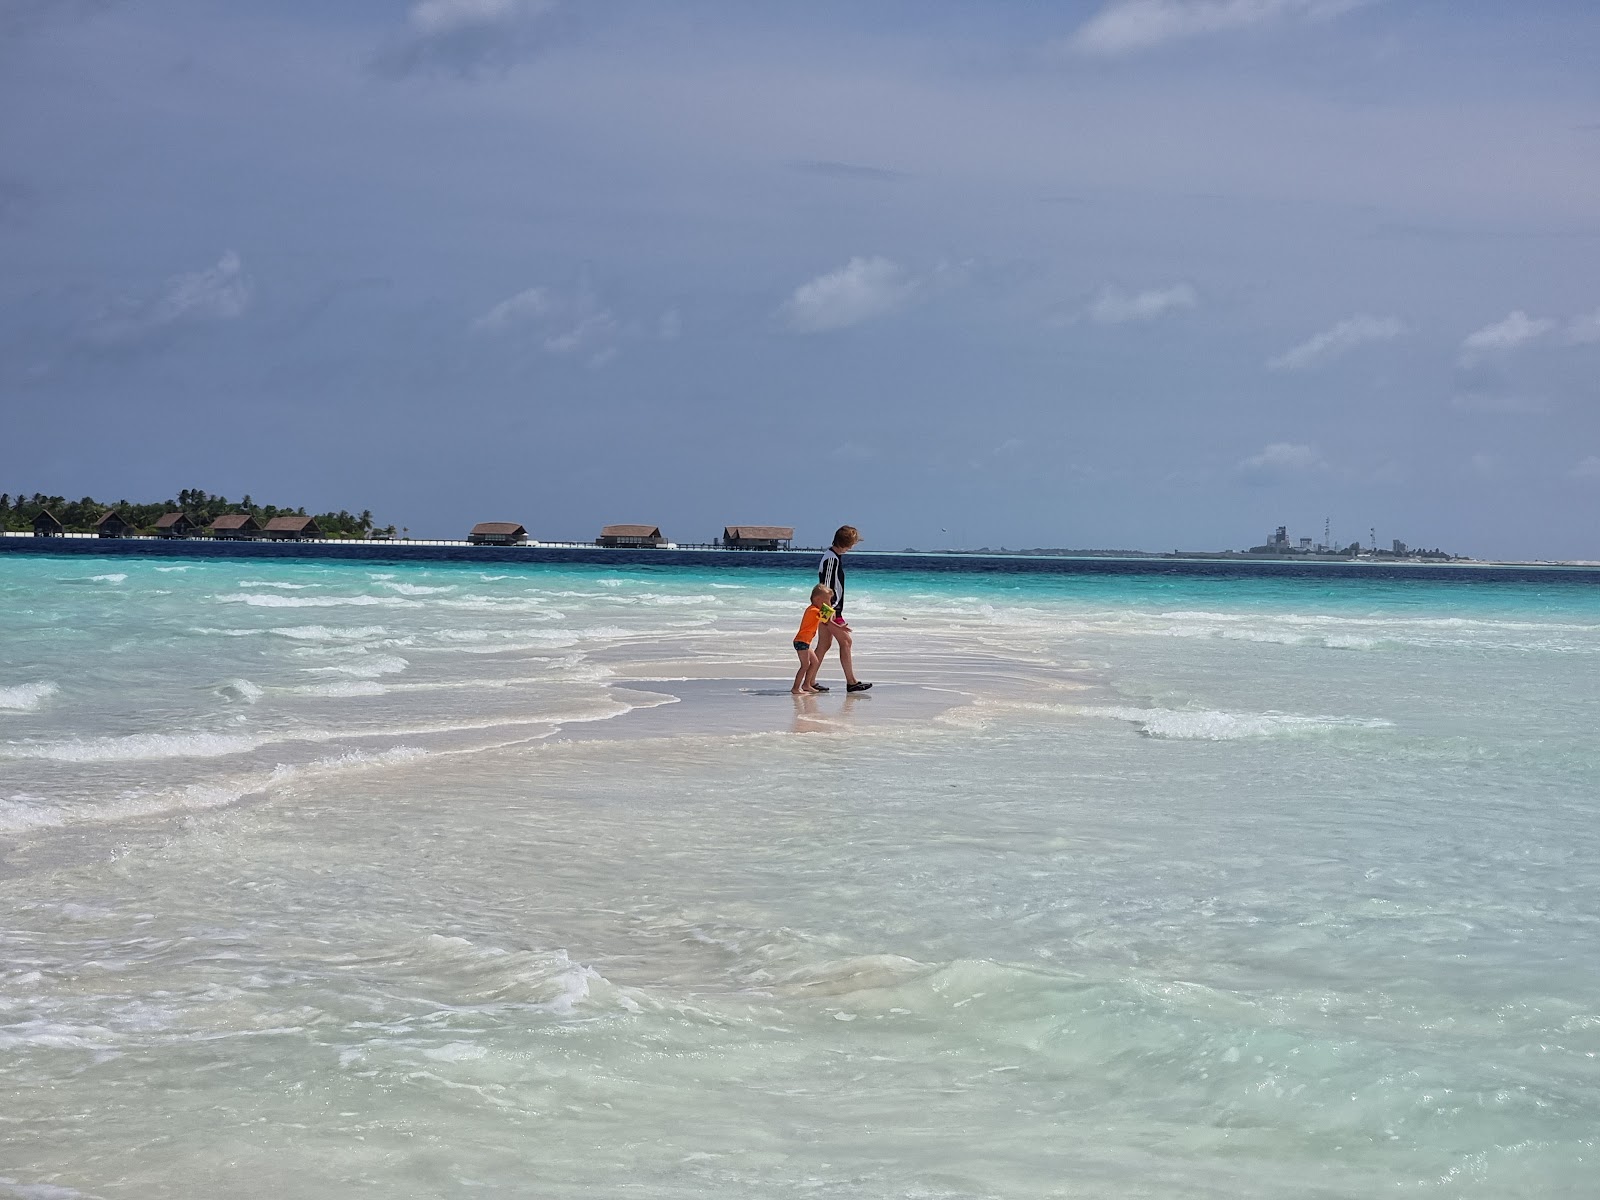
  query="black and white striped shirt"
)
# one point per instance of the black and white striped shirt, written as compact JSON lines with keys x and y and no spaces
{"x":830,"y":573}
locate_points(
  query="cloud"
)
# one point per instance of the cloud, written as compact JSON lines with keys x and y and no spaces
{"x":467,"y":37}
{"x":1518,"y":329}
{"x":1584,"y":329}
{"x":860,"y":290}
{"x":1129,"y":26}
{"x":1113,"y":307}
{"x":561,"y":322}
{"x":1587,"y":468}
{"x":1489,"y":401}
{"x":844,"y":170}
{"x":1280,"y":461}
{"x":219,"y":293}
{"x":1342,"y":338}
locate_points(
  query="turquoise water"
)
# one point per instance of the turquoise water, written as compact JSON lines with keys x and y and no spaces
{"x":319,"y":881}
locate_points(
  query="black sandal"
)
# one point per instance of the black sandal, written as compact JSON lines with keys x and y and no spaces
{"x":857,"y":686}
{"x":817,"y":687}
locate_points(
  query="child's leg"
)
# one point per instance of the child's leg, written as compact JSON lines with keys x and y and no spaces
{"x":812,"y":668}
{"x":808,"y":663}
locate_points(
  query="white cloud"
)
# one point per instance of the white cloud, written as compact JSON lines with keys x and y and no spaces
{"x":1486,"y":400}
{"x":1342,"y":338}
{"x":432,"y":18}
{"x":1518,"y":329}
{"x":1281,"y":460}
{"x":1113,"y":307}
{"x":532,"y":305}
{"x":219,"y":293}
{"x":860,"y":290}
{"x":1128,"y":26}
{"x":465,"y":37}
{"x":1584,"y":329}
{"x":562,"y":323}
{"x":1587,"y":468}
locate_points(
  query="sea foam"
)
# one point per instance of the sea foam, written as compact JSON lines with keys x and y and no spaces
{"x":26,"y":697}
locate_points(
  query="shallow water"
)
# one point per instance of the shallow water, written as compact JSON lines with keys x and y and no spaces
{"x":317,"y":883}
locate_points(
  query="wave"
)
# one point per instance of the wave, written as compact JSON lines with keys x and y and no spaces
{"x":115,"y":577}
{"x":366,"y":668}
{"x":351,"y":688}
{"x":326,"y":633}
{"x":419,"y":589}
{"x":259,"y":601}
{"x":241,"y":689}
{"x":134,"y":747}
{"x":185,"y":567}
{"x":26,"y":697}
{"x":288,"y":587}
{"x":1211,"y":725}
{"x":23,"y":813}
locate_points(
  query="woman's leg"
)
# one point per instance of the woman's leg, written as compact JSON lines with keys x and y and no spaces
{"x":842,"y":635}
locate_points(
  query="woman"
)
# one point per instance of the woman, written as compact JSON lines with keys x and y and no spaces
{"x":830,"y":573}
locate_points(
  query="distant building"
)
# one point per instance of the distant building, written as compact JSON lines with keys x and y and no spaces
{"x":1305,"y":545}
{"x":175,"y":525}
{"x":46,"y":525}
{"x":757,"y":537}
{"x":292,"y":529}
{"x":235,"y":527}
{"x":498,"y":533}
{"x":1280,"y":538}
{"x":630,"y":535}
{"x":112,"y":524}
{"x":1399,"y":548}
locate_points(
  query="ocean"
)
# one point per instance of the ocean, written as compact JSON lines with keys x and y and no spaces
{"x":521,"y":879}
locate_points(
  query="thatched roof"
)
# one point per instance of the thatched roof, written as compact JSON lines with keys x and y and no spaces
{"x":631,"y":531}
{"x":292,"y":524}
{"x":235,"y":521}
{"x":111,"y":516}
{"x":45,"y":517}
{"x":168,"y":520}
{"x":757,"y":533}
{"x":498,"y":529}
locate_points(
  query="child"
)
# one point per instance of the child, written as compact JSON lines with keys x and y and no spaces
{"x":805,"y":679}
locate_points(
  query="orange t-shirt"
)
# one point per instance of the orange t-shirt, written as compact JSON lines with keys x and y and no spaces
{"x":808,"y":625}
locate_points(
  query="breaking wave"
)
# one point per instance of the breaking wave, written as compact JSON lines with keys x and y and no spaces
{"x":1210,"y":725}
{"x":26,"y":697}
{"x":257,"y":600}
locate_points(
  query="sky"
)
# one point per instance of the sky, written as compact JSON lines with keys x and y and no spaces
{"x":1154,"y":274}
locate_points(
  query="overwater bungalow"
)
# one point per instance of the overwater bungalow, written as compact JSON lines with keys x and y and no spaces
{"x":292,"y":529}
{"x":757,"y":537}
{"x":235,"y":527}
{"x":46,"y":525}
{"x":175,"y":525}
{"x":498,"y":533}
{"x":112,"y":524}
{"x":631,"y":535}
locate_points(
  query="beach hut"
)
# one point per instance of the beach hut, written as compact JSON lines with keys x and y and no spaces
{"x":757,"y":537}
{"x":498,"y":533}
{"x":235,"y":527}
{"x":292,"y":529}
{"x":112,"y":524}
{"x":46,"y":525}
{"x":630,"y":535}
{"x":175,"y":525}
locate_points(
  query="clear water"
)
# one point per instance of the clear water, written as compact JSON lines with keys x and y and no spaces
{"x":317,"y":881}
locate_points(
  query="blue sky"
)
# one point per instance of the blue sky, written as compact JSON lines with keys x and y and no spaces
{"x":1140,"y":273}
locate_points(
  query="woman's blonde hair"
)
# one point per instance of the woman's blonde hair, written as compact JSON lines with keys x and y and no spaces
{"x":846,"y":535}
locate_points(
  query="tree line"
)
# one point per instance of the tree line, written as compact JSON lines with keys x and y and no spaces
{"x":79,"y":516}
